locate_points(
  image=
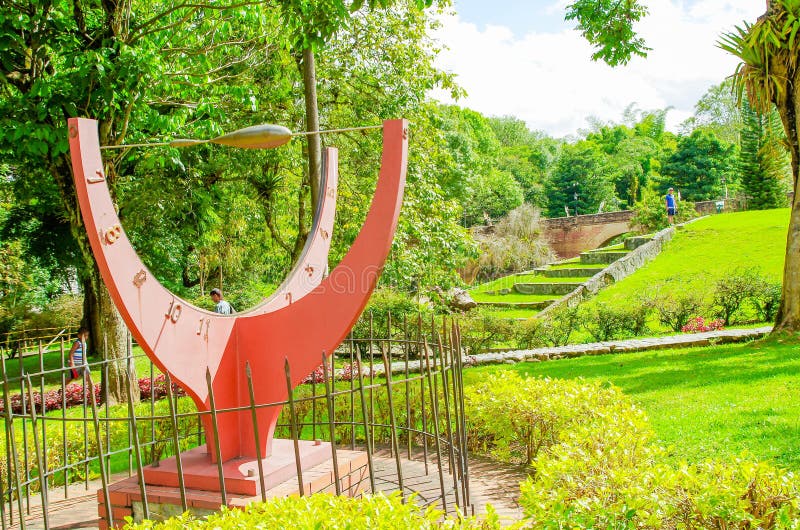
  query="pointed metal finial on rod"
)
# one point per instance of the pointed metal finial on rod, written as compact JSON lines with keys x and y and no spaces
{"x":265,"y":136}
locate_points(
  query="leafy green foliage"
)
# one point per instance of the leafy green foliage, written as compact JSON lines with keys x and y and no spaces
{"x":518,"y":419}
{"x":699,"y":166}
{"x":580,"y":181}
{"x":763,"y":159}
{"x":608,"y":26}
{"x":651,"y":212}
{"x":323,"y":511}
{"x":606,"y":322}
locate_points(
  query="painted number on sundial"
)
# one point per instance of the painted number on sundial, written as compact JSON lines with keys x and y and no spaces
{"x":174,"y":312}
{"x":205,"y":323}
{"x":110,"y":235}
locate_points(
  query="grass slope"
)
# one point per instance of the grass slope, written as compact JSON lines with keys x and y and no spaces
{"x":703,"y":403}
{"x":709,"y":248}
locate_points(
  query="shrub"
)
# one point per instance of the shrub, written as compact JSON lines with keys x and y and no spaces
{"x":766,"y":298}
{"x":699,"y":324}
{"x":606,"y":322}
{"x":651,"y":213}
{"x":675,"y":309}
{"x":732,"y":290}
{"x":557,"y":327}
{"x":322,"y":511}
{"x":515,"y":419}
{"x":481,"y":330}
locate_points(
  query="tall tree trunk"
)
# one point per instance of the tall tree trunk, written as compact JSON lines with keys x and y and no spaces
{"x":108,"y":335}
{"x":788,"y":318}
{"x":312,"y":124}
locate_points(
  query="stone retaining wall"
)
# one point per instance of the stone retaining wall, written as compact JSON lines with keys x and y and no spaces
{"x":618,"y":270}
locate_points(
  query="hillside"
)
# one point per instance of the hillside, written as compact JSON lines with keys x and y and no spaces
{"x":706,"y":250}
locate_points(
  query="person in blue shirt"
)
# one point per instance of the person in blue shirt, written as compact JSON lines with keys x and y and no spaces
{"x":672,"y":206}
{"x":77,"y":355}
{"x":221,"y":305}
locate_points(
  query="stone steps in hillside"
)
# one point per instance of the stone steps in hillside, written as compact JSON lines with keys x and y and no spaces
{"x":632,"y":243}
{"x":577,"y":272}
{"x":560,"y":288}
{"x":609,"y":256}
{"x":518,"y":305}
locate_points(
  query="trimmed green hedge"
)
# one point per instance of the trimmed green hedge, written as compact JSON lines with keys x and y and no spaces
{"x":324,"y":512}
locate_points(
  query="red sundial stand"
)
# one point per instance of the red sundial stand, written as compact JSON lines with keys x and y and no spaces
{"x":205,"y":352}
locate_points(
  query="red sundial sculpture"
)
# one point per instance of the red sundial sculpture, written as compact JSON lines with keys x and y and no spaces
{"x":308,"y":315}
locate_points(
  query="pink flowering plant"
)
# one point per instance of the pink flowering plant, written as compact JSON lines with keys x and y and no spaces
{"x":699,"y":325}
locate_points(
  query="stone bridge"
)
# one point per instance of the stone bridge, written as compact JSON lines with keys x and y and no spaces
{"x":569,"y":236}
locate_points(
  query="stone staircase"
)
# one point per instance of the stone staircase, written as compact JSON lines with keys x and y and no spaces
{"x":524,"y":294}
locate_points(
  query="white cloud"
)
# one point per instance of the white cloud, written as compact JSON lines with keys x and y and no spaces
{"x":549,"y":80}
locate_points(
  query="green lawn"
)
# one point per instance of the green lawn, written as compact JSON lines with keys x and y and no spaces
{"x":706,"y":250}
{"x":702,"y":403}
{"x":512,"y":313}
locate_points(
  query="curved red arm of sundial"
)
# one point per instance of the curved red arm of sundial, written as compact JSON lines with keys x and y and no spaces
{"x":150,"y":310}
{"x":185,"y":340}
{"x":310,"y":269}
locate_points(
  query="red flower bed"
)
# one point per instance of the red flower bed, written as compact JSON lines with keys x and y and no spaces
{"x":74,"y":395}
{"x":698,"y":324}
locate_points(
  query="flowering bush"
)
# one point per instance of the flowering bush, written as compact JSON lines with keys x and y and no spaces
{"x":698,"y":324}
{"x":73,"y":395}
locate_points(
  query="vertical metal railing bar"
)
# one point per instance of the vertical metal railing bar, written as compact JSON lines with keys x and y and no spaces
{"x":371,"y":379}
{"x":328,"y":381}
{"x":448,"y":426}
{"x":313,"y":409}
{"x":104,"y":388}
{"x":129,"y":360}
{"x":137,"y":449}
{"x":215,"y":430}
{"x":254,"y":415}
{"x":43,"y":416}
{"x":386,"y":345}
{"x":152,"y":405}
{"x":176,"y":441}
{"x":435,"y":410}
{"x":460,"y":372}
{"x":293,"y":426}
{"x":12,"y":448}
{"x":422,"y":394}
{"x":352,"y":395}
{"x":364,"y":420}
{"x":65,"y":454}
{"x":37,"y":447}
{"x":393,"y":423}
{"x":406,"y":351}
{"x":461,"y":450}
{"x":98,"y":435}
{"x":24,"y":401}
{"x":84,"y":405}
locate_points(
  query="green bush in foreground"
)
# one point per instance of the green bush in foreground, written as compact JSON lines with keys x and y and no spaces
{"x":324,"y":512}
{"x":515,"y":419}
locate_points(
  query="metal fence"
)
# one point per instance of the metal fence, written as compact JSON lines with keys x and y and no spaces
{"x":396,"y":394}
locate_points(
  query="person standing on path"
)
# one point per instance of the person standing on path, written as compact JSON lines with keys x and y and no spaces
{"x":77,"y":355}
{"x":222,"y":306}
{"x":672,"y":206}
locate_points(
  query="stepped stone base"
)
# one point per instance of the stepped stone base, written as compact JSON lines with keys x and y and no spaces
{"x":577,"y":272}
{"x":165,"y":501}
{"x":518,"y":305}
{"x":632,"y":243}
{"x":546,"y":288}
{"x":602,"y":257}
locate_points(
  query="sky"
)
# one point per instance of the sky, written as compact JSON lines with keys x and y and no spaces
{"x":520,"y":58}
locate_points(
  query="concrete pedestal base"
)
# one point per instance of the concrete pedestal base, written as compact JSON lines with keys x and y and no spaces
{"x":164,"y":500}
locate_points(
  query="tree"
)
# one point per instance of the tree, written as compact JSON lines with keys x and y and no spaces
{"x":717,"y":111}
{"x":769,"y":74}
{"x":762,"y":159}
{"x":579,"y":182}
{"x":699,"y":165}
